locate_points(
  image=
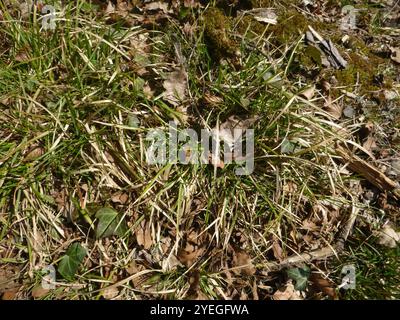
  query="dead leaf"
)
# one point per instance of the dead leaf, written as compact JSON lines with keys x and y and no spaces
{"x":39,"y":292}
{"x":287,"y":293}
{"x":242,"y":263}
{"x":319,"y":283}
{"x":110,"y":293}
{"x":370,"y":144}
{"x":158,"y":5}
{"x":175,"y":86}
{"x":277,"y":250}
{"x":119,"y":197}
{"x":191,"y":250}
{"x":143,"y":235}
{"x":9,"y":294}
{"x":388,"y":237}
{"x":212,"y":99}
{"x":110,"y":8}
{"x":395,"y":54}
{"x":22,"y":56}
{"x":265,"y":15}
{"x":308,"y":93}
{"x":8,"y":276}
{"x":34,"y":153}
{"x":334,"y":109}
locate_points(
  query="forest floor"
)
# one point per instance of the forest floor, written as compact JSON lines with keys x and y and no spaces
{"x":84,"y":214}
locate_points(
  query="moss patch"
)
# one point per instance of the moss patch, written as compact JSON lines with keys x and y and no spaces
{"x":216,"y":30}
{"x":362,"y":69}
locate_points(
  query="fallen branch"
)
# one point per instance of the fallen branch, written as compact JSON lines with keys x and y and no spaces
{"x":327,"y":47}
{"x":369,"y":172}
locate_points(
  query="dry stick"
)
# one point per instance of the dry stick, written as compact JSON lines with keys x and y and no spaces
{"x":301,"y":258}
{"x":329,"y":49}
{"x":369,"y":172}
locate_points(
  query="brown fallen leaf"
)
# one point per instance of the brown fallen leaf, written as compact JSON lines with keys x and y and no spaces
{"x":22,"y":56}
{"x":157,"y":5}
{"x":308,"y":93}
{"x":191,"y":250}
{"x":242,"y":263}
{"x":175,"y":86}
{"x":8,"y":278}
{"x":277,"y":250}
{"x":265,"y":15}
{"x":110,"y":293}
{"x":143,"y":235}
{"x":395,"y":54}
{"x":34,"y":153}
{"x":318,"y":283}
{"x":334,"y":109}
{"x":388,"y":237}
{"x":39,"y":292}
{"x":212,"y":99}
{"x":287,"y":293}
{"x":119,"y":197}
{"x":9,"y":294}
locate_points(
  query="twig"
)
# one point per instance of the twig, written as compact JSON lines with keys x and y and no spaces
{"x":369,"y":172}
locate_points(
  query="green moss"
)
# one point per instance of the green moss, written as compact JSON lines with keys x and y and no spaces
{"x":291,"y":25}
{"x":362,"y":69}
{"x":272,"y":3}
{"x":310,"y":56}
{"x":216,"y":30}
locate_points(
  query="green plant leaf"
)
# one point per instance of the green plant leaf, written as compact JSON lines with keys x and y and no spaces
{"x":300,"y":275}
{"x":70,"y":263}
{"x":109,"y":223}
